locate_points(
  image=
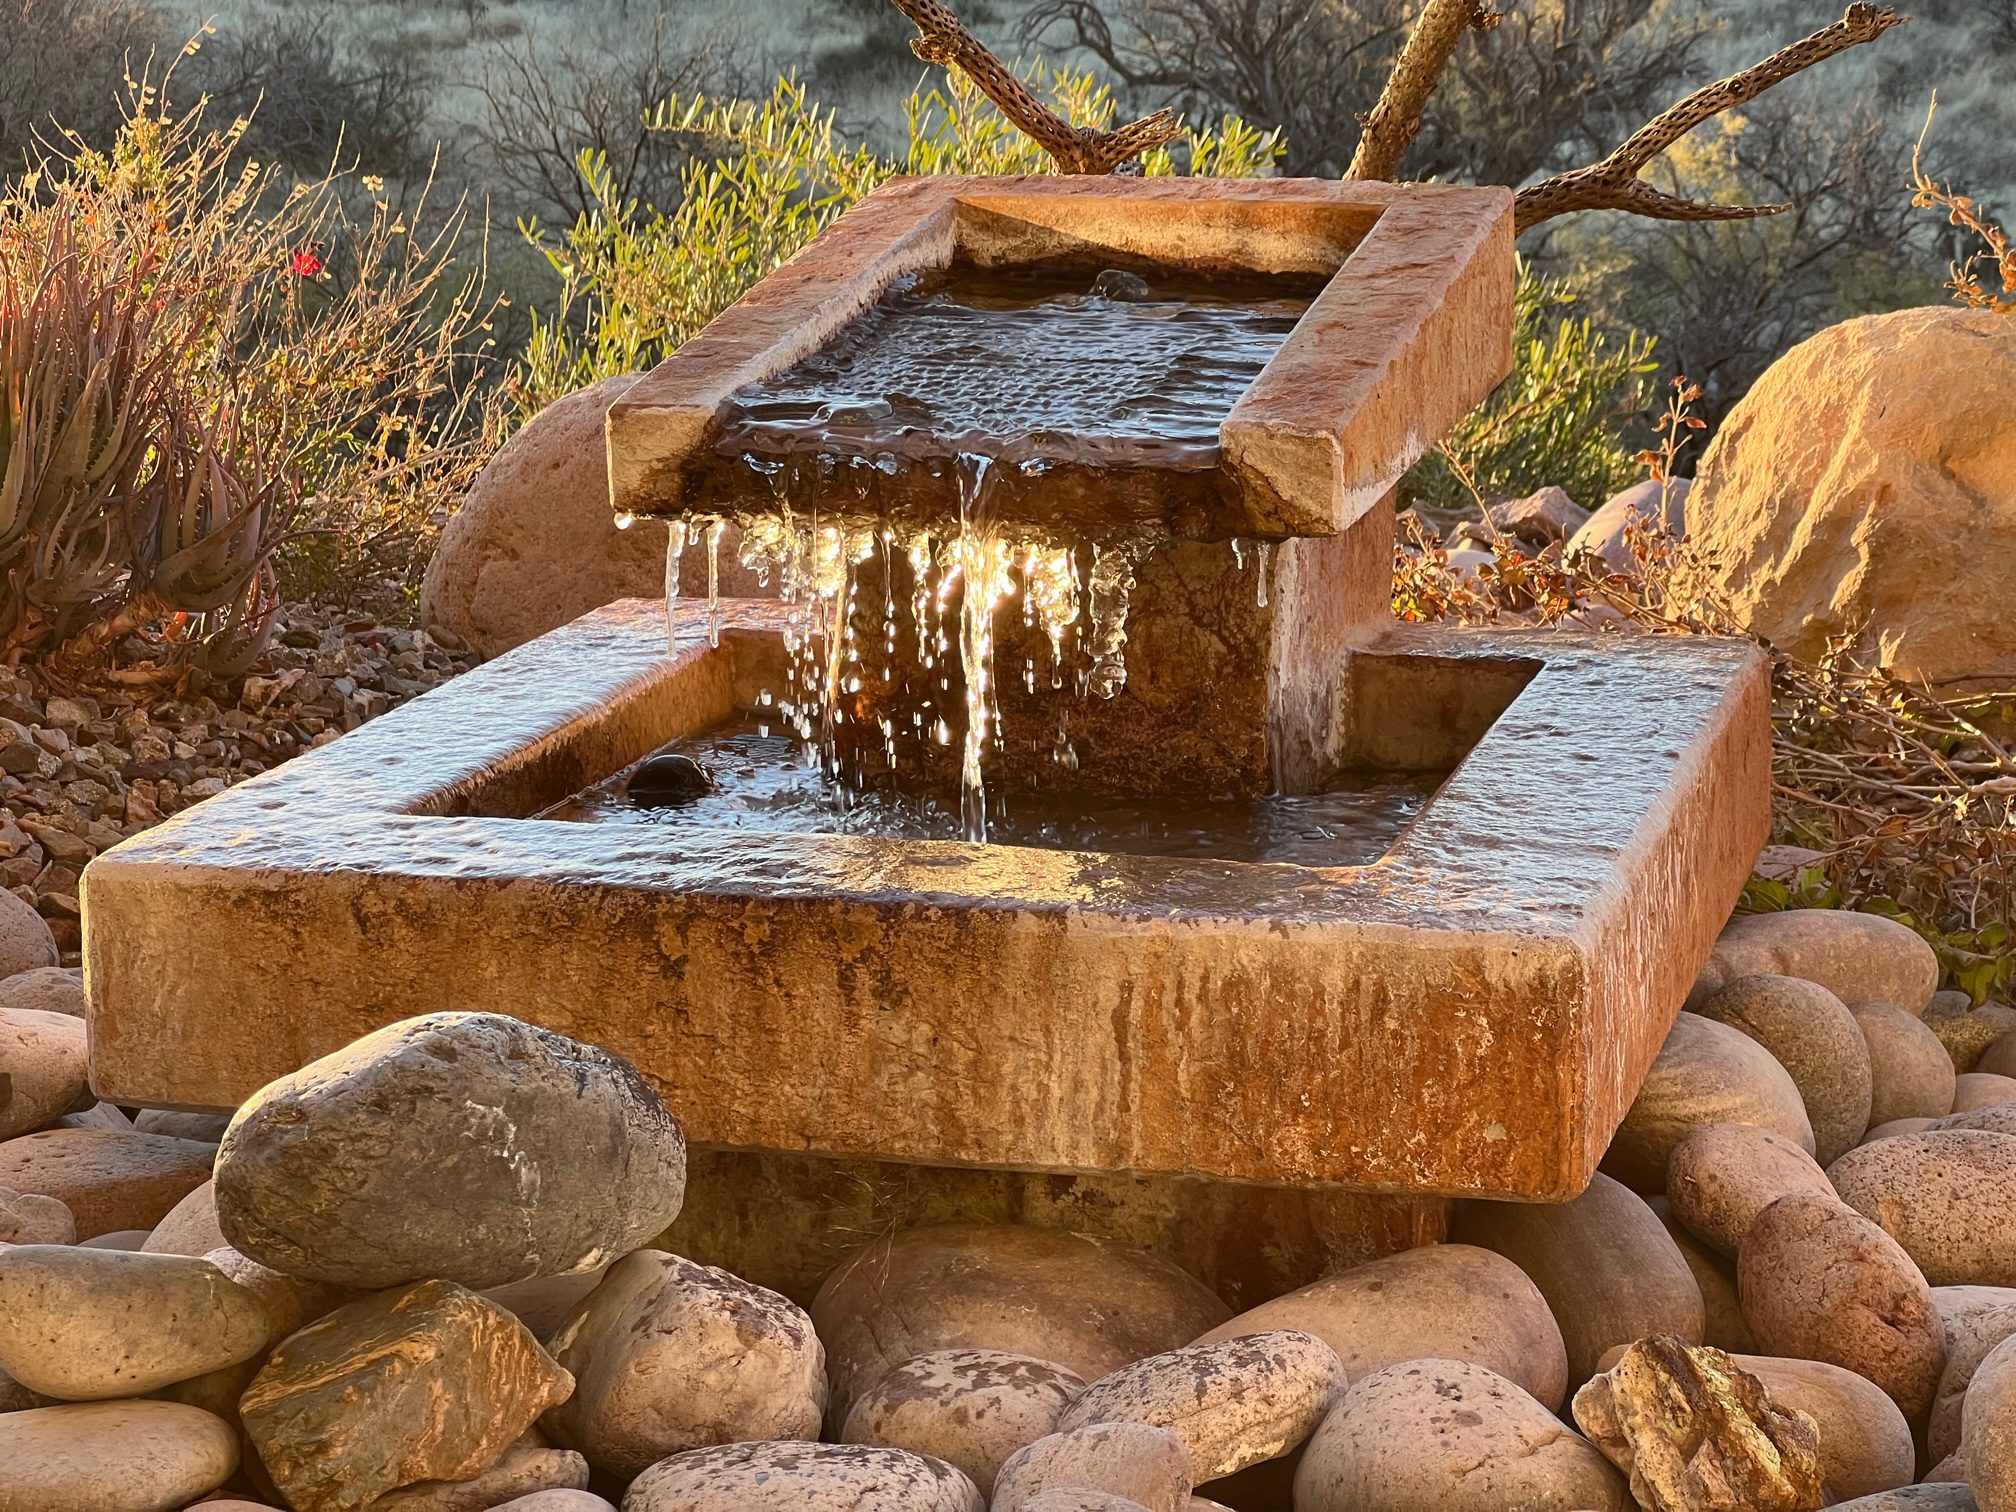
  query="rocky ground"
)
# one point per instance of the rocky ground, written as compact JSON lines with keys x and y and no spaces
{"x":79,"y":772}
{"x":420,"y":1276}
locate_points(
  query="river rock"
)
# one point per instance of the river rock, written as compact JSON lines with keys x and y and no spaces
{"x":1897,"y":1128}
{"x":1948,"y":1196}
{"x":1653,"y":508}
{"x":112,"y":1457}
{"x":42,"y":1068}
{"x":564,"y":1157}
{"x":101,"y":1115}
{"x":1440,"y":1301}
{"x":1722,"y":1176}
{"x":30,"y":1218}
{"x":87,"y":1325}
{"x":1865,"y":1443}
{"x":1932,"y":1496}
{"x":1810,"y":1032}
{"x":207,"y":1128}
{"x":1450,"y":1436}
{"x":1996,"y":1118}
{"x":668,"y":1356}
{"x":1987,"y":1430}
{"x":130,"y":1240}
{"x":1694,"y":1431}
{"x":1970,"y":1338}
{"x":971,"y":1408}
{"x":1079,"y":1302}
{"x":46,"y":989}
{"x":428,"y":1382}
{"x":1604,"y":1262}
{"x":1999,"y":1059}
{"x":1973,"y":1090}
{"x":1821,"y":1282}
{"x":1858,"y":957}
{"x":799,"y":1477}
{"x":1911,"y":1075}
{"x":556,"y":1501}
{"x":108,"y":1180}
{"x":543,"y":1302}
{"x":527,"y":1467}
{"x":26,"y":942}
{"x":190,"y":1227}
{"x":1723,"y":1326}
{"x":1967,"y":1029}
{"x":1707,"y":1073}
{"x":1141,"y":1462}
{"x":1233,"y":1403}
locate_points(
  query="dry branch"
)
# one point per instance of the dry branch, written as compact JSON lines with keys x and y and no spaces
{"x":1395,"y":120}
{"x":1614,"y":184}
{"x":1076,"y":149}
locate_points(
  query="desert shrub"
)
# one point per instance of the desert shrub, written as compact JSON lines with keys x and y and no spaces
{"x":1560,"y":418}
{"x":636,"y":280}
{"x":203,"y":365}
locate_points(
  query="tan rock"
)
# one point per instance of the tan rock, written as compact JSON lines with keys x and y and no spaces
{"x":1143,"y":1463}
{"x":535,"y":543}
{"x":102,"y":1115}
{"x":556,"y":1501}
{"x":669,"y":1356}
{"x":1933,"y":1496}
{"x":1860,"y":958}
{"x":108,"y":1180}
{"x":1819,"y":1281}
{"x":1081,"y":1303}
{"x":1722,"y":1176}
{"x":1604,"y":1262}
{"x":1971,"y":1336}
{"x":971,"y":1408}
{"x":543,"y":1302}
{"x":26,"y":943}
{"x":1897,"y":1127}
{"x":112,"y":1457}
{"x":1079,"y":1499}
{"x":1443,"y":1301}
{"x":1448,"y":1436}
{"x":42,"y":1068}
{"x":1999,"y":1059}
{"x":1996,"y":1118}
{"x":1911,"y":1073}
{"x":1694,"y":1431}
{"x":1707,"y":1073}
{"x":800,"y":1477}
{"x":1951,"y":1468}
{"x":45,"y":989}
{"x":1865,"y":1443}
{"x":1811,"y":1033}
{"x":1987,"y":1430}
{"x":1233,"y":1403}
{"x":427,"y":1382}
{"x":527,"y":1467}
{"x":1947,"y":1196}
{"x":88,"y":1325}
{"x":129,"y":1240}
{"x":1967,"y":1030}
{"x":30,"y":1218}
{"x":1865,"y":488}
{"x":190,"y":1227}
{"x":205,"y":1128}
{"x":1974,"y":1090}
{"x":1724,"y":1327}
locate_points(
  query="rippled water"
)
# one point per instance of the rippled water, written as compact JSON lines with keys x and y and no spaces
{"x":767,"y":785}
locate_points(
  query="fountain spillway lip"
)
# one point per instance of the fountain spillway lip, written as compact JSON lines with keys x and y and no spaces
{"x":1411,"y":330}
{"x":1472,"y":1014}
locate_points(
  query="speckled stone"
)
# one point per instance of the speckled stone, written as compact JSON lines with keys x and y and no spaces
{"x":1911,"y":1075}
{"x":1722,"y":1176}
{"x":1948,"y":1196}
{"x":112,"y":1457}
{"x":1146,"y":1464}
{"x":801,"y":1477}
{"x":1811,"y":1033}
{"x":971,"y":1408}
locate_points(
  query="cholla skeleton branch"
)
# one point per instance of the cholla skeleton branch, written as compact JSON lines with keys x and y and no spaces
{"x":942,"y":40}
{"x":1614,"y":184}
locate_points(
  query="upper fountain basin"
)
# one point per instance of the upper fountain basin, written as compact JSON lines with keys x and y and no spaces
{"x":1299,"y":344}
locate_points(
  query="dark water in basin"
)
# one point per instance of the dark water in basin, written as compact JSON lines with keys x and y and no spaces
{"x":979,"y":359}
{"x":767,"y":786}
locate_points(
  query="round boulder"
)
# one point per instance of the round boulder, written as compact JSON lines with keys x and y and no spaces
{"x":1722,"y":1176}
{"x":1233,"y":1403}
{"x":26,"y":942}
{"x":971,"y":1408}
{"x":102,"y":1455}
{"x":1911,"y":1076}
{"x":1932,"y":1496}
{"x":1821,"y":1282}
{"x":470,"y":1147}
{"x":1896,"y":1127}
{"x":1079,"y":1302}
{"x":800,"y":1477}
{"x":1706,"y":1073}
{"x":1971,"y":1336}
{"x":46,"y":989}
{"x":1139,"y":1461}
{"x":1441,"y":1301}
{"x":1811,"y":1033}
{"x":668,"y":1356}
{"x":1865,"y":1443}
{"x":110,"y":1179}
{"x":1999,"y":1059}
{"x":1948,"y":1196}
{"x":1975,"y":1090}
{"x":1860,"y":958}
{"x":42,"y":1068}
{"x":1654,"y":507}
{"x":1452,"y":1436}
{"x":30,"y":1218}
{"x":1865,"y":487}
{"x":1987,"y":1429}
{"x":1715,"y":1273}
{"x":1965,"y":1029}
{"x":190,"y":1227}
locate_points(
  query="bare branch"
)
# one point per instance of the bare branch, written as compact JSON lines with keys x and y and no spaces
{"x":1614,"y":184}
{"x":1397,"y":117}
{"x":942,"y":40}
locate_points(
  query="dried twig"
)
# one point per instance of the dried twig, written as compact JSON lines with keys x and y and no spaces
{"x":1395,"y":120}
{"x":1614,"y":184}
{"x":1963,"y":212}
{"x":942,"y":40}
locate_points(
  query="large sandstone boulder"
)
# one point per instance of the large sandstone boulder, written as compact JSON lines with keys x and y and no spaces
{"x":112,"y":1456}
{"x":471,"y":1147}
{"x":1866,"y":487}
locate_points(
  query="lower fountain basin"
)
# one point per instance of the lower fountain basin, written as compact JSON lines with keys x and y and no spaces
{"x":1470,"y":1014}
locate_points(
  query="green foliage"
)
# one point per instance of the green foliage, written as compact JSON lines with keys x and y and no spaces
{"x":1979,"y":962}
{"x":636,"y":281}
{"x":1558,"y":419}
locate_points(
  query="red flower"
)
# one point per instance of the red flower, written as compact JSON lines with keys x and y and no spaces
{"x":305,"y":264}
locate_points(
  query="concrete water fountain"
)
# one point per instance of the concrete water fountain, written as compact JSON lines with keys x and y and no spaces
{"x":1269,"y":1057}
